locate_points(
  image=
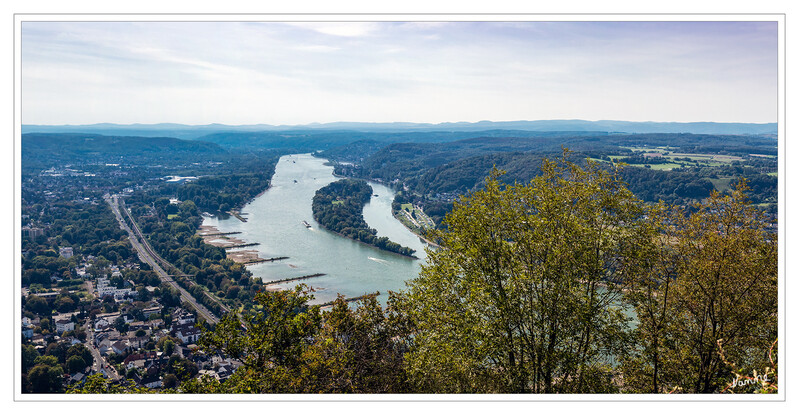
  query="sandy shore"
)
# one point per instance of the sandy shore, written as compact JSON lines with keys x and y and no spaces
{"x":210,"y":235}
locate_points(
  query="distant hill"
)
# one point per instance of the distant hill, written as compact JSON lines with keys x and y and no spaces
{"x":42,"y":149}
{"x":197,"y":131}
{"x":305,"y":140}
{"x":409,"y":160}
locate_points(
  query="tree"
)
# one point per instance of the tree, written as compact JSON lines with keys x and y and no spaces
{"x":82,"y":352}
{"x":166,"y":345}
{"x":525,"y":294}
{"x":65,"y":304}
{"x":270,"y":342}
{"x":45,"y":378}
{"x":287,"y":346}
{"x":29,"y":355}
{"x":120,"y":324}
{"x":75,"y":364}
{"x":722,"y":297}
{"x":38,"y":305}
{"x":651,"y":292}
{"x":97,"y":384}
{"x":170,"y":381}
{"x":358,"y":351}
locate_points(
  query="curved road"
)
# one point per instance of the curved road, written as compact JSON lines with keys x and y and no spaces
{"x":149,"y":256}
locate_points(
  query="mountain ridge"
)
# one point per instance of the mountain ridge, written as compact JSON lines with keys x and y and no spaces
{"x":186,"y":131}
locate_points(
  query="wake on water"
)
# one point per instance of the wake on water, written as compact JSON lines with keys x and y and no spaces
{"x":382,"y":261}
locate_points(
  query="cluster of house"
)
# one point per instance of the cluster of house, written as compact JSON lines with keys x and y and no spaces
{"x":446,"y":196}
{"x":103,"y":285}
{"x":62,"y":323}
{"x":150,"y":364}
{"x":136,"y":342}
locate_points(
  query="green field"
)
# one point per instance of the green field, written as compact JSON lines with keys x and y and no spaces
{"x":651,"y":149}
{"x":172,"y":216}
{"x":664,"y":166}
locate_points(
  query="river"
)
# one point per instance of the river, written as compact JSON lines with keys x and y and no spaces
{"x":274,"y":220}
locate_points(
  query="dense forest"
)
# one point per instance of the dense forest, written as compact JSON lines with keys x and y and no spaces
{"x":223,"y":192}
{"x":339,"y":208}
{"x":316,"y":140}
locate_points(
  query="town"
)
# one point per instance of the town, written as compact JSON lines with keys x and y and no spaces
{"x":105,"y":322}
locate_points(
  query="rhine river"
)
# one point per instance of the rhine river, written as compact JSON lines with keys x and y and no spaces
{"x":274,"y":220}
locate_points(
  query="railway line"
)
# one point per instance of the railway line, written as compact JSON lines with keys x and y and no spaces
{"x":158,"y":264}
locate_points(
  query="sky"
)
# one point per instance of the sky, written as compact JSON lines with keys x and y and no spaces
{"x":290,"y":73}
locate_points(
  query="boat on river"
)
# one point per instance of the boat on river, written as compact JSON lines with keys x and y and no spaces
{"x":307,"y":225}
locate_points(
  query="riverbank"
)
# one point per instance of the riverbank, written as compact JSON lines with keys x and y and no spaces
{"x":427,"y":241}
{"x":370,"y":245}
{"x":212,"y":236}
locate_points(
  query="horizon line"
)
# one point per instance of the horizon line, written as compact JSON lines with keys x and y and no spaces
{"x":317,"y":123}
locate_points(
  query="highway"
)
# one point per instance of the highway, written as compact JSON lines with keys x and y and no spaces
{"x":149,"y":256}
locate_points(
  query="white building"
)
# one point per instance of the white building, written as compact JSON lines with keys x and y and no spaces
{"x":188,"y":334}
{"x":101,"y":324}
{"x":62,"y":325}
{"x":104,"y":288}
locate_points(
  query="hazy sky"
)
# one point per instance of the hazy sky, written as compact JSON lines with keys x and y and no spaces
{"x":297,"y":73}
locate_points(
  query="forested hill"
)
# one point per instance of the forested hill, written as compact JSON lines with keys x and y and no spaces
{"x":439,"y":172}
{"x":409,"y":159}
{"x":311,"y":140}
{"x":43,"y":149}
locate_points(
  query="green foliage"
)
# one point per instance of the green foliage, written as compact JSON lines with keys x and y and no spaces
{"x":45,"y":150}
{"x":713,"y":285}
{"x":75,"y":364}
{"x":269,"y":342}
{"x":166,"y":345}
{"x":97,"y":384}
{"x":358,"y":351}
{"x":38,"y":305}
{"x":223,"y":192}
{"x":288,"y":346}
{"x":83,"y":355}
{"x":524,"y":296}
{"x":29,"y":355}
{"x":45,"y":376}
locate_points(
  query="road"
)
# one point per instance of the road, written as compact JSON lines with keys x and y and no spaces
{"x":100,"y":365}
{"x":149,"y":256}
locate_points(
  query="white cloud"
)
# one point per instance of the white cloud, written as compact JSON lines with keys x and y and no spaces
{"x":344,"y":29}
{"x":368,"y":71}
